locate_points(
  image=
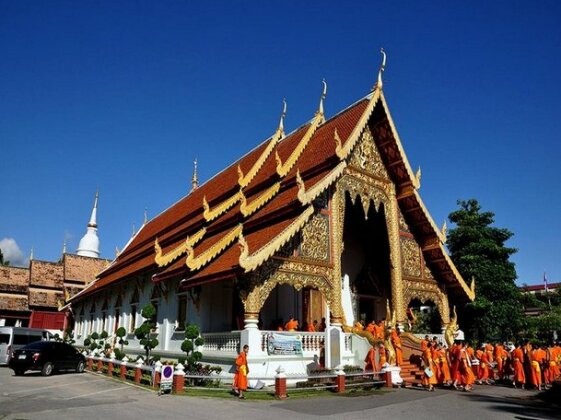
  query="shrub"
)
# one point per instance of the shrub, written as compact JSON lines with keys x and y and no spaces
{"x":143,"y":333}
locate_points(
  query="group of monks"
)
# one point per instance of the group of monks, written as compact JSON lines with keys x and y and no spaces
{"x":293,"y":325}
{"x":461,"y":366}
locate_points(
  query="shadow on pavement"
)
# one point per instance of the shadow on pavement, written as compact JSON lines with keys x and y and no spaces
{"x":523,"y":407}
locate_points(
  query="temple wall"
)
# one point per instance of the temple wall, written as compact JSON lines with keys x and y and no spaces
{"x":46,"y":274}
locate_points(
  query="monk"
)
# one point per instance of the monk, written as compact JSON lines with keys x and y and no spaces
{"x":424,"y":343}
{"x":371,"y":328}
{"x":396,"y":342}
{"x":482,"y":355}
{"x":370,"y":361}
{"x":429,"y":376}
{"x":518,"y":367}
{"x":466,"y":373}
{"x":242,"y":370}
{"x":359,"y":326}
{"x":454,"y":357}
{"x":312,"y":327}
{"x":554,"y":362}
{"x":500,"y":356}
{"x":442,"y":361}
{"x":382,"y":352}
{"x":291,"y":325}
{"x":379,"y":331}
{"x":434,"y":355}
{"x":471,"y":354}
{"x":538,"y":360}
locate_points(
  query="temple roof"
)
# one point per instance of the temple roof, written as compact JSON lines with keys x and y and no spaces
{"x":242,"y":216}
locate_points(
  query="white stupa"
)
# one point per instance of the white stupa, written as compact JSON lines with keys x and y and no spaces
{"x":89,"y":244}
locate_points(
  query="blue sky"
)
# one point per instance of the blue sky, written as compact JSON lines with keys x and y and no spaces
{"x":122,"y":96}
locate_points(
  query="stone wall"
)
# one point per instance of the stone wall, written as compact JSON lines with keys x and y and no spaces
{"x":83,"y":269}
{"x":44,"y":298}
{"x":11,"y":302}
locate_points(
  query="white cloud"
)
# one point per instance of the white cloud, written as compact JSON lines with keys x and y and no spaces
{"x":12,"y":253}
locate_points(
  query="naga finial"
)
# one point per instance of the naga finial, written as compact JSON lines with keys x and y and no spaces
{"x":444,"y":229}
{"x":244,"y":248}
{"x":379,"y":83}
{"x":418,"y":178}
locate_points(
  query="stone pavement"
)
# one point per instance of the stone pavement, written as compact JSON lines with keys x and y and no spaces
{"x":89,"y":396}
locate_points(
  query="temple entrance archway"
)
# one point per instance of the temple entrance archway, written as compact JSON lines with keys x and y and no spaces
{"x":366,"y":258}
{"x":423,"y":317}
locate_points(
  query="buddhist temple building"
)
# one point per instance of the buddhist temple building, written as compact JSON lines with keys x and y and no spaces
{"x":324,"y":222}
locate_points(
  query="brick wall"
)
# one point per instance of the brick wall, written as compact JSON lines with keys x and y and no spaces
{"x":83,"y":269}
{"x":14,"y":279}
{"x":47,"y":274}
{"x":44,"y":298}
{"x":10,"y":302}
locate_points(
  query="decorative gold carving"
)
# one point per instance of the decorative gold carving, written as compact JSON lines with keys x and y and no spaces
{"x":244,"y":180}
{"x":190,"y":241}
{"x":427,"y":273}
{"x":284,"y":168}
{"x":469,"y":290}
{"x":367,"y":157}
{"x":411,"y":257}
{"x":220,"y":208}
{"x":251,"y":262}
{"x":451,"y":328}
{"x":306,"y":197}
{"x":194,"y":263}
{"x":248,"y":209}
{"x":403,"y":226}
{"x":273,"y":272}
{"x":417,"y":183}
{"x":390,"y":324}
{"x":315,"y":238}
{"x":425,"y":291}
{"x":344,"y":151}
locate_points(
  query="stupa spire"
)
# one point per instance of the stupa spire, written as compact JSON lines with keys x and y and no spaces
{"x":89,"y":244}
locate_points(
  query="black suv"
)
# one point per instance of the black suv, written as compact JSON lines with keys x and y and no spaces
{"x":47,"y":356}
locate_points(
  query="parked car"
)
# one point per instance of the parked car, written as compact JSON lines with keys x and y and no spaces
{"x":13,"y":338}
{"x":47,"y":356}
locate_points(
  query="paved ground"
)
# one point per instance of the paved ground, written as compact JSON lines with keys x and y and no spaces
{"x":90,"y":396}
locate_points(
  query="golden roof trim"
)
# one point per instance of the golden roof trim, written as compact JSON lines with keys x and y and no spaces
{"x":163,"y":260}
{"x":248,"y":209}
{"x":306,"y":197}
{"x":220,"y":208}
{"x":244,"y":180}
{"x":343,"y":152}
{"x":194,"y":263}
{"x":284,"y":168}
{"x":251,"y":262}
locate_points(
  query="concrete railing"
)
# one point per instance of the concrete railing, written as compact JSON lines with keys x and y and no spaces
{"x":222,"y":342}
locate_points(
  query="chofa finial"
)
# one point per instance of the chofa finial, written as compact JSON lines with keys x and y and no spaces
{"x":145,"y":215}
{"x":379,"y":82}
{"x":195,"y":178}
{"x":323,"y":95}
{"x":281,"y":122}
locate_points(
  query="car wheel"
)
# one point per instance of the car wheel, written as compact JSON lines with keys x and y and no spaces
{"x":81,"y":366}
{"x":18,"y":372}
{"x":48,"y":369}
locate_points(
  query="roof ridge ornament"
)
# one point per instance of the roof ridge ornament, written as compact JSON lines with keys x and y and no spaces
{"x":323,"y":95}
{"x":443,"y":231}
{"x":417,"y":181}
{"x":379,"y":82}
{"x":195,"y":178}
{"x":281,"y":121}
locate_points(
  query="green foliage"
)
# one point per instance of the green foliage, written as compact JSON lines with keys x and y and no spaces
{"x":121,"y":332}
{"x":103,"y":335}
{"x":192,"y":340}
{"x":426,"y":322}
{"x":144,"y":331}
{"x":3,"y":262}
{"x":87,"y":341}
{"x":95,"y":336}
{"x":479,"y":252}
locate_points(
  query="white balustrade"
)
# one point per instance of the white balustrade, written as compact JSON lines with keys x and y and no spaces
{"x":222,"y":342}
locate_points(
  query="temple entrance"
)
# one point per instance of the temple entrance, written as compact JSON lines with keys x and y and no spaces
{"x":423,"y":317}
{"x":365,"y":261}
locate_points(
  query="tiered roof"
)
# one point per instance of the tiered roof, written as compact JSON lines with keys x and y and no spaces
{"x":237,"y":220}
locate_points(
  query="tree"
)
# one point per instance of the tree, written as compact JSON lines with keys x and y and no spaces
{"x":3,"y":263}
{"x":479,"y":252}
{"x":144,"y":332}
{"x":192,"y":340}
{"x":121,"y":333}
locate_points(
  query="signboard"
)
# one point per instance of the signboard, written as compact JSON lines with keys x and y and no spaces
{"x":285,"y":344}
{"x":166,"y":379}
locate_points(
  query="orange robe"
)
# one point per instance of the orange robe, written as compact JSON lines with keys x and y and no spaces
{"x":518,"y":366}
{"x":240,"y":378}
{"x":554,"y":362}
{"x":370,"y":361}
{"x":467,"y":376}
{"x":538,"y":358}
{"x":423,"y":345}
{"x":396,"y":342}
{"x":483,"y":365}
{"x":454,"y":354}
{"x":311,"y":328}
{"x":443,"y":365}
{"x":291,"y":325}
{"x":379,"y":332}
{"x":500,"y":357}
{"x":437,"y":373}
{"x":383,"y":357}
{"x":429,"y":364}
{"x":371,"y":328}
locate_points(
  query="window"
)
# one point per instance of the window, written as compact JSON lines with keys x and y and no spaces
{"x":132,"y":320}
{"x":181,"y":312}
